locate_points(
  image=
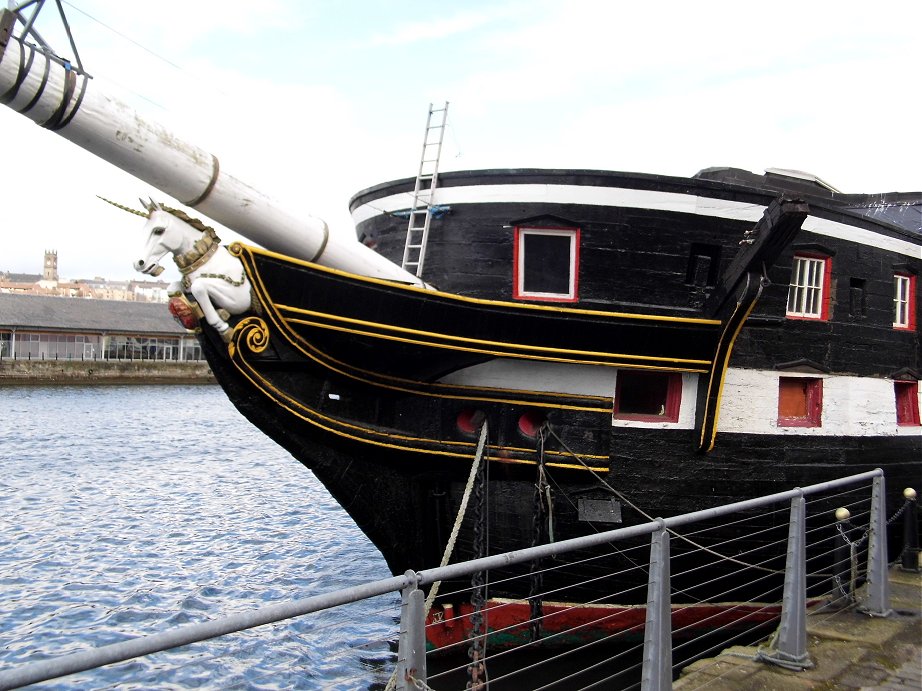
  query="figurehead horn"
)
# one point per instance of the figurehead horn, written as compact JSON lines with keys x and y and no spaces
{"x":126,"y":208}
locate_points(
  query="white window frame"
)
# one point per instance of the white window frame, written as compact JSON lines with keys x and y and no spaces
{"x":902,"y":294}
{"x":522,"y":233}
{"x":806,"y":291}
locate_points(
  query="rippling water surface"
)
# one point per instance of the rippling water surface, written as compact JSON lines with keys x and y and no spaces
{"x":130,"y":510}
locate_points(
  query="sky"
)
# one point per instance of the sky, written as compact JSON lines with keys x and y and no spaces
{"x":311,"y":101}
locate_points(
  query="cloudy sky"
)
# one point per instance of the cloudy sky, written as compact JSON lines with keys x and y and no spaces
{"x":314,"y":100}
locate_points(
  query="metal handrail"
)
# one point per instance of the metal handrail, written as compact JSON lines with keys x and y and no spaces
{"x":193,"y":633}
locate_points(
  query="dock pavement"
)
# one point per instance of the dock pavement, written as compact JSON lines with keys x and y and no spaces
{"x":848,"y":648}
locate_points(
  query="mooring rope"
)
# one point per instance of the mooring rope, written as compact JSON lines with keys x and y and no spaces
{"x":452,"y":539}
{"x":450,"y":545}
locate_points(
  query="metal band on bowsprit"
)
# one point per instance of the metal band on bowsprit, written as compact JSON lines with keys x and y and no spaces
{"x":70,"y":84}
{"x":66,"y":121}
{"x":323,"y":243}
{"x":41,"y":88}
{"x":215,"y":171}
{"x":21,"y":74}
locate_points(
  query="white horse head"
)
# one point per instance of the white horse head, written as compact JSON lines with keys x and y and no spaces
{"x":213,"y":276}
{"x":165,"y":233}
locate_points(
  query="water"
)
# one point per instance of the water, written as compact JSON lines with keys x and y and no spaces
{"x":129,"y":510}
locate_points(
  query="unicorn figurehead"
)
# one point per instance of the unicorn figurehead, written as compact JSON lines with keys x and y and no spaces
{"x":210,"y":274}
{"x":172,"y":231}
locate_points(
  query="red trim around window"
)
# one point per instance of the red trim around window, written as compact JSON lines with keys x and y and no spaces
{"x":574,"y":267}
{"x":911,"y":305}
{"x":635,"y":378}
{"x":800,"y":402}
{"x":827,"y":286}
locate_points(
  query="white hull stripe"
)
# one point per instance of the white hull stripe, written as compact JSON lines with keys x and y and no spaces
{"x":635,"y":199}
{"x":853,"y":406}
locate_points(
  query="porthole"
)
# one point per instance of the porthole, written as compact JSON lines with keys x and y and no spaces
{"x":470,"y":420}
{"x":530,"y":422}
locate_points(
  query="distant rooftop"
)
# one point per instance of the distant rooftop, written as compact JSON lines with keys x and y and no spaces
{"x":74,"y":314}
{"x":20,"y":278}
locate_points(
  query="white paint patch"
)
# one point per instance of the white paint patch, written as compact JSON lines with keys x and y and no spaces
{"x":852,"y":406}
{"x":581,"y":380}
{"x":634,"y":199}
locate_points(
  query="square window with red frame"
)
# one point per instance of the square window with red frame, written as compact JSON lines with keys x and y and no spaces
{"x":907,"y":403}
{"x":648,"y":396}
{"x":546,"y":264}
{"x":800,"y":402}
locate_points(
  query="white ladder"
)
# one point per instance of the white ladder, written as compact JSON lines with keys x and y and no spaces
{"x":414,"y":251}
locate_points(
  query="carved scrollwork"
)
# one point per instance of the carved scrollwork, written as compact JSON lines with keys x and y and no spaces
{"x":251,"y":331}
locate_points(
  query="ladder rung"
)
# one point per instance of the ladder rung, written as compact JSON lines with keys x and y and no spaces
{"x":426,"y":181}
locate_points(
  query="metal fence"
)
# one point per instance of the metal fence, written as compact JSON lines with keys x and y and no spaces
{"x":90,"y":348}
{"x":762,"y":564}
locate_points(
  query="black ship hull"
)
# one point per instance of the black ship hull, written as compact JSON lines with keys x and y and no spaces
{"x":379,"y":388}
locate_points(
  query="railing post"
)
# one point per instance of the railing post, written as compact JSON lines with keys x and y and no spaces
{"x":657,"y":637}
{"x":789,"y":649}
{"x":411,"y":646}
{"x":910,"y":557}
{"x":878,"y":589}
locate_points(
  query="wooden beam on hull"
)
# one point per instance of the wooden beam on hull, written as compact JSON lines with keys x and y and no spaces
{"x":745,"y":279}
{"x":759,"y":249}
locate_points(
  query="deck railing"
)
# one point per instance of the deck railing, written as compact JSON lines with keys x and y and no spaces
{"x":845,"y":547}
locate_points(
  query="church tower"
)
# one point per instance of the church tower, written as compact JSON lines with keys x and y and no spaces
{"x":50,"y":272}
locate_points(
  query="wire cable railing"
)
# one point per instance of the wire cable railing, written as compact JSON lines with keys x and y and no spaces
{"x":646,"y":600}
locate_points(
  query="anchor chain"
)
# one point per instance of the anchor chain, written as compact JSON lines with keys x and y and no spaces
{"x":476,"y":670}
{"x":864,"y":537}
{"x":542,"y":530}
{"x":844,"y":527}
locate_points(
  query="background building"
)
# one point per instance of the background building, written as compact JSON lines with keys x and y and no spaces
{"x":49,"y":283}
{"x":40,"y":327}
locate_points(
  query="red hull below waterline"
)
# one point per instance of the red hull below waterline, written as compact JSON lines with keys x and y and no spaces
{"x":508,"y":623}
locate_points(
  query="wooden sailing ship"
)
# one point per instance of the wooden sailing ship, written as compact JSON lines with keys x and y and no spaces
{"x":651,"y":344}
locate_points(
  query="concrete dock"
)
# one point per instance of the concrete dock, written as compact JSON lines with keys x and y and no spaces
{"x":849,"y":650}
{"x":59,"y":372}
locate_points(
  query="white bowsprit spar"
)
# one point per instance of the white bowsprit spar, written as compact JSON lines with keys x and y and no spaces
{"x":61,"y":97}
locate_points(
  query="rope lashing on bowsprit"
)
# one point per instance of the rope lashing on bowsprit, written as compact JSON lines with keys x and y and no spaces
{"x":476,"y":470}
